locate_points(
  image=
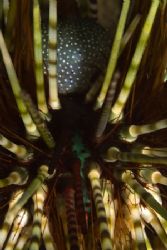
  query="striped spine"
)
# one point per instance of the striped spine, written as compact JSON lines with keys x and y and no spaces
{"x":38,"y":199}
{"x":114,"y":53}
{"x":12,"y":213}
{"x":41,"y":99}
{"x":24,"y":238}
{"x":47,"y":237}
{"x":97,"y":85}
{"x":133,"y":203}
{"x":19,"y":177}
{"x":69,"y":195}
{"x":130,"y":31}
{"x":116,"y":112}
{"x":94,"y":177}
{"x":109,"y":205}
{"x":15,"y":197}
{"x":18,"y":225}
{"x":128,"y":178}
{"x":19,"y":150}
{"x":107,"y":106}
{"x":156,"y":221}
{"x":6,"y":227}
{"x":113,"y":154}
{"x":52,"y":67}
{"x":147,"y":241}
{"x":27,"y":120}
{"x":132,"y":132}
{"x":146,"y":150}
{"x":153,"y":176}
{"x":153,"y":220}
{"x":39,"y":121}
{"x":161,"y":152}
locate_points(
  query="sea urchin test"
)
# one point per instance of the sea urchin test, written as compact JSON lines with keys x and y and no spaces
{"x":83,"y":48}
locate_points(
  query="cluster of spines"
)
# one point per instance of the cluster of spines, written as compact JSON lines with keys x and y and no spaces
{"x":113,"y":154}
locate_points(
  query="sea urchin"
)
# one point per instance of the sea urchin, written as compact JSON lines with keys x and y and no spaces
{"x":83,"y":146}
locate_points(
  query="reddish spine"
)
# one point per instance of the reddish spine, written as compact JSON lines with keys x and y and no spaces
{"x":69,"y":195}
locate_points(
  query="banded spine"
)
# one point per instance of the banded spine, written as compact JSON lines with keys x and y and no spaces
{"x":107,"y":106}
{"x":146,"y":150}
{"x":18,"y":177}
{"x":27,"y":120}
{"x":19,"y":150}
{"x":130,"y":31}
{"x":153,"y":176}
{"x":94,"y":177}
{"x":41,"y":98}
{"x":134,"y":221}
{"x":7,"y":223}
{"x":113,"y":154}
{"x":161,"y":152}
{"x":38,"y":121}
{"x":128,"y":178}
{"x":68,"y":211}
{"x":38,"y":200}
{"x":47,"y":236}
{"x":71,"y":220}
{"x":110,"y":207}
{"x":18,"y":225}
{"x":132,"y":132}
{"x":116,"y":111}
{"x":153,"y":220}
{"x":114,"y":53}
{"x":52,"y":67}
{"x":23,"y":238}
{"x":13,"y":211}
{"x":69,"y":196}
